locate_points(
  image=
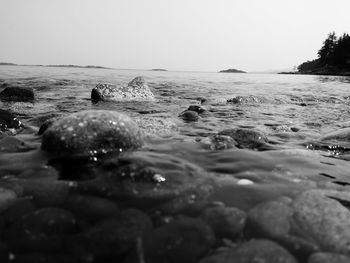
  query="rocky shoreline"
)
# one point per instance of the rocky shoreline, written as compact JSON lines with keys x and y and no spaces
{"x":104,"y":195}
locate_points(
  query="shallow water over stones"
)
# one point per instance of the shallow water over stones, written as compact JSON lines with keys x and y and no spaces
{"x":218,"y":167}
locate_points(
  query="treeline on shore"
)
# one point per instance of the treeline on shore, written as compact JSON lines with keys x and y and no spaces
{"x":333,"y":57}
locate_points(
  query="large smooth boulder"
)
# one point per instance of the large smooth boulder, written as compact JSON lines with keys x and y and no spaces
{"x":17,"y":94}
{"x":136,"y":90}
{"x":88,"y":131}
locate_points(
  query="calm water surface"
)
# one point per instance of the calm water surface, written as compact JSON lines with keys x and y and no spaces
{"x":292,"y":110}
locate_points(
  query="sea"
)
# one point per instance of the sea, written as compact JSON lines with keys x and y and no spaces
{"x":294,"y":112}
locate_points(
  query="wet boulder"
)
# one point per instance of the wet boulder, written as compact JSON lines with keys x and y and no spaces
{"x":247,"y":138}
{"x":227,"y":222}
{"x":258,"y":250}
{"x":17,"y":94}
{"x":92,"y":130}
{"x":183,"y":240}
{"x":46,"y":124}
{"x":136,"y":90}
{"x":8,"y":121}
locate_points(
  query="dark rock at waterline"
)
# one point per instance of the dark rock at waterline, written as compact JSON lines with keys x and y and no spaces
{"x":112,"y":237}
{"x":184,"y":240}
{"x":136,"y":90}
{"x":189,"y":116}
{"x":227,"y":222}
{"x":47,"y":124}
{"x":17,"y":94}
{"x":339,"y":135}
{"x":8,"y":121}
{"x":247,"y":100}
{"x":149,"y":179}
{"x":247,"y":138}
{"x":87,"y":131}
{"x":258,"y":250}
{"x":326,"y":257}
{"x":199,"y":109}
{"x":218,"y":142}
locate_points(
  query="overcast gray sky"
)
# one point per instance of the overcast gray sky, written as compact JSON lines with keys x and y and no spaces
{"x":199,"y":35}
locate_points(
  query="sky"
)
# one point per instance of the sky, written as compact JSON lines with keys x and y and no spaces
{"x":189,"y":35}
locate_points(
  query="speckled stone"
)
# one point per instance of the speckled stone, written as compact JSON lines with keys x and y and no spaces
{"x":8,"y":121}
{"x":92,"y":130}
{"x":136,"y":90}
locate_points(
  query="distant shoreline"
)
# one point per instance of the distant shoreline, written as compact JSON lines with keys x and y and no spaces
{"x":232,"y":70}
{"x":317,"y":73}
{"x":57,"y":66}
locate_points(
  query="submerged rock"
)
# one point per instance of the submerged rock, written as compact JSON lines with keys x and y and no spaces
{"x":339,"y":135}
{"x":17,"y":94}
{"x":258,"y":250}
{"x":11,"y":144}
{"x":323,"y":216}
{"x":149,"y":179}
{"x":7,"y":197}
{"x":227,"y":222}
{"x":87,"y":131}
{"x":184,"y":240}
{"x":136,"y":90}
{"x":112,"y":237}
{"x":8,"y":121}
{"x":247,"y":138}
{"x":326,"y":257}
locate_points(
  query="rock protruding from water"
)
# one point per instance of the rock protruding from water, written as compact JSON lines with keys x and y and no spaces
{"x":258,"y":250}
{"x":87,"y":131}
{"x":136,"y":90}
{"x":247,"y":138}
{"x":8,"y":121}
{"x":17,"y":94}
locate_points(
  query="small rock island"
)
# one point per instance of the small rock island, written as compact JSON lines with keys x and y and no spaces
{"x":232,"y":70}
